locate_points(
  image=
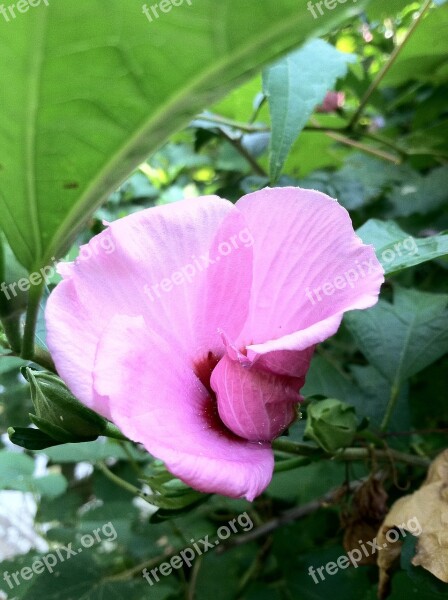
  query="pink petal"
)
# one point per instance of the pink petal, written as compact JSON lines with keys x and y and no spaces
{"x":254,"y":404}
{"x":304,"y":241}
{"x":72,"y":336}
{"x":153,"y":263}
{"x":157,"y":400}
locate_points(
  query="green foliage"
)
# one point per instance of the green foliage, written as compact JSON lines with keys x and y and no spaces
{"x":120,"y":103}
{"x":419,"y":322}
{"x":396,"y":250}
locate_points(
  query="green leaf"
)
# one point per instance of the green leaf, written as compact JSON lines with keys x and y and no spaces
{"x":14,"y":466}
{"x":68,"y":141}
{"x":82,"y":578}
{"x":376,"y":391}
{"x":92,"y":452}
{"x":368,"y":393}
{"x":402,"y":338}
{"x":420,"y":194}
{"x":295,"y":85}
{"x":16,"y":473}
{"x":220,"y":574}
{"x":52,"y":485}
{"x":324,"y":378}
{"x":397,"y":250}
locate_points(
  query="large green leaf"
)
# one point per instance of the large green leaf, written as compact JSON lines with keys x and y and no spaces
{"x":396,"y":249}
{"x":93,"y":88}
{"x":85,"y":578}
{"x":402,"y":338}
{"x":295,"y":85}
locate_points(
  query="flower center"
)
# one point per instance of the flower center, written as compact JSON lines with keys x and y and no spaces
{"x":203,"y":370}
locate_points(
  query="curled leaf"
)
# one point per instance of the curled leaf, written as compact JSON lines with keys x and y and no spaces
{"x":425,"y":515}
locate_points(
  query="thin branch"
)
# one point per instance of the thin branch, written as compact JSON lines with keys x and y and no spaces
{"x":396,"y":160}
{"x":293,"y":514}
{"x":224,"y":122}
{"x":147,"y":564}
{"x":388,"y":65}
{"x":414,"y":432}
{"x":350,"y":454}
{"x":299,"y":448}
{"x":236,"y":143}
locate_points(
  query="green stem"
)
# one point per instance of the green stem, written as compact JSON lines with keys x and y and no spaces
{"x":382,"y":455}
{"x":32,"y":312}
{"x":291,"y":463}
{"x":125,"y":485}
{"x":297,"y":448}
{"x":237,"y":144}
{"x":134,"y":464}
{"x":385,"y":142}
{"x":257,"y":110}
{"x":350,"y":454}
{"x":364,"y":148}
{"x":388,"y":65}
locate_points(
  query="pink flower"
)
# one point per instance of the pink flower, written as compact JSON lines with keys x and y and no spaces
{"x":194,"y":335}
{"x":331,"y":103}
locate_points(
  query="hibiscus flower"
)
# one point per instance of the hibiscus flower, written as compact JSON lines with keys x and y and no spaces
{"x":195,"y":334}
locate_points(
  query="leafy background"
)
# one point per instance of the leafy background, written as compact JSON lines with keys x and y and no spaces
{"x":103,"y":114}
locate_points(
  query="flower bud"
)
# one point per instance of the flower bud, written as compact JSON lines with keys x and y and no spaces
{"x":254,"y":404}
{"x":331,"y":423}
{"x":58,"y":413}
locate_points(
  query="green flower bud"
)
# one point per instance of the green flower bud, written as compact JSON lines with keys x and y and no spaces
{"x":58,"y":413}
{"x":331,"y":423}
